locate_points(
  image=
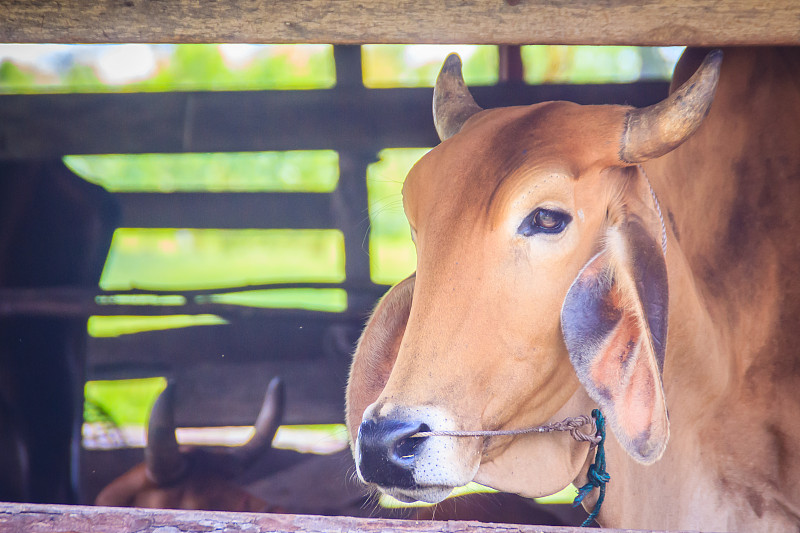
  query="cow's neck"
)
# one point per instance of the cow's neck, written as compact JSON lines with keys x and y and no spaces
{"x":656,"y":495}
{"x":731,"y":433}
{"x":732,"y":199}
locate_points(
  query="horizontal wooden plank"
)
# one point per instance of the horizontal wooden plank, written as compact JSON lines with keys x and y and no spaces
{"x":82,"y":302}
{"x":363,"y":120}
{"x":222,"y":371}
{"x":230,"y":394}
{"x":250,"y":339}
{"x":46,"y":518}
{"x":226,"y":210}
{"x":662,"y":22}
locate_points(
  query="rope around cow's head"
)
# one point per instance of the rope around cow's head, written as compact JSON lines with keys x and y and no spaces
{"x":597,"y":475}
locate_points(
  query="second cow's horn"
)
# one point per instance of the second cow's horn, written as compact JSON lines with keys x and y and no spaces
{"x":164,"y":461}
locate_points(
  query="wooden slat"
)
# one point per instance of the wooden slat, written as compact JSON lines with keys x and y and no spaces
{"x":662,"y":22}
{"x":231,"y":395}
{"x":39,"y":518}
{"x":226,"y":210}
{"x":287,"y":337}
{"x":222,"y":371}
{"x":81,"y":302}
{"x":37,"y":126}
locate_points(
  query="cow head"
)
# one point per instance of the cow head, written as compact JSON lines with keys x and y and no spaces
{"x":540,"y":292}
{"x":195,"y":477}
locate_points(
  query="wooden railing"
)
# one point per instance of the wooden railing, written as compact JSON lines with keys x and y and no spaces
{"x":33,"y":518}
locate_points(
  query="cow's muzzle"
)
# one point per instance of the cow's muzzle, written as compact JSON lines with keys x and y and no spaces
{"x":388,"y":451}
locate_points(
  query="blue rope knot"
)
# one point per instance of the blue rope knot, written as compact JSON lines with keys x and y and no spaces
{"x":596,"y":475}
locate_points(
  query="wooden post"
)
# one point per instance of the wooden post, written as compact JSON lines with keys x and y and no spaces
{"x":350,"y":205}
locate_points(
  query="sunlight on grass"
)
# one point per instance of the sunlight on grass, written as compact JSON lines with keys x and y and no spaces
{"x":564,"y":496}
{"x":416,"y":65}
{"x":185,"y":259}
{"x":126,"y":401}
{"x":95,"y":68}
{"x":114,"y":326}
{"x":293,"y":171}
{"x":331,"y":300}
{"x":471,"y":488}
{"x":392,"y":253}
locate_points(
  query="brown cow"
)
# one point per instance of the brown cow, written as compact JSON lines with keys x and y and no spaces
{"x":195,"y":477}
{"x":548,"y":270}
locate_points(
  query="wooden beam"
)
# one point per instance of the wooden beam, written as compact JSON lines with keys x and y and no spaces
{"x":661,"y":22}
{"x":226,"y":210}
{"x":353,"y":118}
{"x":290,"y":338}
{"x":48,"y":518}
{"x":222,"y":371}
{"x":230,"y":394}
{"x":82,"y":302}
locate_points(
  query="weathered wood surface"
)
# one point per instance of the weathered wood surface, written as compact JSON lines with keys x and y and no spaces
{"x":661,"y":22}
{"x":218,"y":389}
{"x":81,"y":302}
{"x":226,"y":210}
{"x":37,"y":518}
{"x":345,"y":118}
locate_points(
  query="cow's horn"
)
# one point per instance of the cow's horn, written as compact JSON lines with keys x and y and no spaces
{"x":164,"y":461}
{"x":267,"y":423}
{"x":655,"y":130}
{"x":452,"y":102}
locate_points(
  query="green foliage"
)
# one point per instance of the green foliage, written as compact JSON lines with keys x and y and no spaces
{"x":295,"y":171}
{"x":183,"y":67}
{"x":397,"y":65}
{"x":592,"y":64}
{"x":202,"y":67}
{"x":13,"y":78}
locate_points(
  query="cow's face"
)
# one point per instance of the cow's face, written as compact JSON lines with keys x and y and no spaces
{"x":540,"y":278}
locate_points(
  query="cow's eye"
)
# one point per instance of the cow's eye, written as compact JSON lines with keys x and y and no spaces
{"x":544,"y":221}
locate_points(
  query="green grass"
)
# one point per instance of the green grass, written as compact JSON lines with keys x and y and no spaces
{"x":564,"y":496}
{"x":294,"y":171}
{"x":392,"y":253}
{"x":185,"y":259}
{"x":128,"y":401}
{"x":331,"y":300}
{"x":114,"y":326}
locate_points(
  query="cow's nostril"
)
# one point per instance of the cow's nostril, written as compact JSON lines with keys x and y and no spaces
{"x":405,"y":449}
{"x":388,"y":451}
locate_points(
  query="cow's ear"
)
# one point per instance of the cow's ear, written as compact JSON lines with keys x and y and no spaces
{"x":376,"y":352}
{"x":614,"y":321}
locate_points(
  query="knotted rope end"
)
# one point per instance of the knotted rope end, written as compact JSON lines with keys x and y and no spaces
{"x":596,"y":475}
